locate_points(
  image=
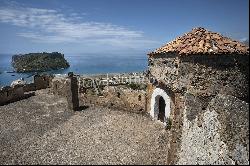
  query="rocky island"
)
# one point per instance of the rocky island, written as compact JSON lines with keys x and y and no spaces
{"x":39,"y":62}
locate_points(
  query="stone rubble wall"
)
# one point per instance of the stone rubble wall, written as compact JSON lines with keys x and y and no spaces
{"x":118,"y":97}
{"x":217,"y":134}
{"x":149,"y":92}
{"x":176,"y":117}
{"x":210,"y":123}
{"x":11,"y":94}
{"x":68,"y":88}
{"x":29,"y":87}
{"x":203,"y":75}
{"x":60,"y":86}
{"x":210,"y":76}
{"x":165,"y":69}
{"x":42,"y":81}
{"x":207,"y":130}
{"x":73,"y":92}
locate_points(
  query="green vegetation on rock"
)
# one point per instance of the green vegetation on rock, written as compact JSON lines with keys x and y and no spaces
{"x":39,"y":62}
{"x":136,"y":86}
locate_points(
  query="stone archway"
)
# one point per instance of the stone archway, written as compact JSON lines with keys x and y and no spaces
{"x":162,"y":105}
{"x":159,"y":100}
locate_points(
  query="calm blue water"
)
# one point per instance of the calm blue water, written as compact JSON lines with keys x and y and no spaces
{"x":84,"y":64}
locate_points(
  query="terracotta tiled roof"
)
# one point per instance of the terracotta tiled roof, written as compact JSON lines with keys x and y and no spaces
{"x":202,"y":41}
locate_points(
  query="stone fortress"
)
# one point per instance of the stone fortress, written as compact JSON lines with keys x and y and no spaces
{"x":198,"y":89}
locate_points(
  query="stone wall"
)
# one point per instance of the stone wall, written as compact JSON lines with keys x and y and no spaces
{"x":149,"y":92}
{"x":203,"y":75}
{"x":11,"y":94}
{"x":208,"y":130}
{"x":60,"y":85}
{"x":118,"y":97}
{"x":42,"y":81}
{"x":210,"y":123}
{"x":68,"y":88}
{"x":210,"y":76}
{"x":29,"y":87}
{"x":72,"y":95}
{"x":165,"y":69}
{"x":216,"y":134}
{"x":175,"y":123}
{"x":17,"y":92}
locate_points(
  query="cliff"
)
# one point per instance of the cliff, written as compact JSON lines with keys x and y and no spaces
{"x":39,"y":62}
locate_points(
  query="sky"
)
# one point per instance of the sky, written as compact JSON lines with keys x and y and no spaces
{"x":121,"y":27}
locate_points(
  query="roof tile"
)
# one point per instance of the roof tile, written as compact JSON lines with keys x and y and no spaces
{"x":202,"y":41}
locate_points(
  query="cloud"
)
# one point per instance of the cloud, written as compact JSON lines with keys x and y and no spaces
{"x":244,"y":39}
{"x":51,"y":26}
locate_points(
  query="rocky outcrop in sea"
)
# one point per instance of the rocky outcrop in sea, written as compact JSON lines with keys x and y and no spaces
{"x":39,"y":62}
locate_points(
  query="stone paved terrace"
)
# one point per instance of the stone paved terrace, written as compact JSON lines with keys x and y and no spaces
{"x":40,"y":130}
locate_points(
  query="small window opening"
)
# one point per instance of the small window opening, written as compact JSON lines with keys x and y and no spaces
{"x":139,"y":98}
{"x":118,"y":95}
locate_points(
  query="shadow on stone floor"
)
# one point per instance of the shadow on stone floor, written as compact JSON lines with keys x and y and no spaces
{"x":82,"y":108}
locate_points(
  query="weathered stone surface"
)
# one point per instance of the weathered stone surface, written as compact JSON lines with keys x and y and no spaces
{"x":68,"y":88}
{"x":195,"y":106}
{"x":59,"y":85}
{"x":72,"y":93}
{"x":220,"y":136}
{"x":165,"y":69}
{"x":195,"y":68}
{"x":233,"y":114}
{"x":18,"y":82}
{"x":119,"y":97}
{"x":29,"y":87}
{"x":11,"y":94}
{"x":42,"y":81}
{"x":203,"y":75}
{"x":18,"y":88}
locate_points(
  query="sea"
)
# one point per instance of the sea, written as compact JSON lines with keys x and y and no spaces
{"x":79,"y":64}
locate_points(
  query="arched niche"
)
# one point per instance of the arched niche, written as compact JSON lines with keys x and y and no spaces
{"x":159,"y":99}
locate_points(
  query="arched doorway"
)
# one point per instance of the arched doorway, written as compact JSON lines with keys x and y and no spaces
{"x":160,"y":105}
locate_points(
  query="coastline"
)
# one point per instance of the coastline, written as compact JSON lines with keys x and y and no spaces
{"x":83,"y":65}
{"x":29,"y":79}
